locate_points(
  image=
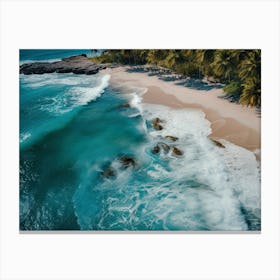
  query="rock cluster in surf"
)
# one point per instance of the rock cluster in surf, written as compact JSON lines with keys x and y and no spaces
{"x":161,"y":146}
{"x":109,"y":172}
{"x":156,"y":124}
{"x":166,"y":146}
{"x":126,"y":161}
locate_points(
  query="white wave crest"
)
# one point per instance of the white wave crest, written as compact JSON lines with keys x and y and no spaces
{"x":83,"y":95}
{"x":81,"y":89}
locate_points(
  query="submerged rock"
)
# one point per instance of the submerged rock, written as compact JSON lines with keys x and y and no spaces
{"x":127,"y":161}
{"x":161,"y":146}
{"x":124,"y":105}
{"x":165,"y":147}
{"x":110,"y":172}
{"x":172,"y":138}
{"x":217,"y":143}
{"x":156,"y":149}
{"x":107,"y":173}
{"x":177,"y":152}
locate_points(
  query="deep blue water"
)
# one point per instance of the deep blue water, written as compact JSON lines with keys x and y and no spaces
{"x":41,"y":54}
{"x":72,"y":129}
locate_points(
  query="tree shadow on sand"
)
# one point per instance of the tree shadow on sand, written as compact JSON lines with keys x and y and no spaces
{"x":168,"y":75}
{"x":234,"y":98}
{"x":199,"y":84}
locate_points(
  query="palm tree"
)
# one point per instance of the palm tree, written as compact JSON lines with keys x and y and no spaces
{"x":239,"y":55}
{"x":126,"y":55}
{"x":223,"y":64}
{"x":157,"y":57}
{"x":251,"y":65}
{"x":251,"y":94}
{"x":143,"y":56}
{"x":203,"y":60}
{"x":205,"y":57}
{"x":173,"y":58}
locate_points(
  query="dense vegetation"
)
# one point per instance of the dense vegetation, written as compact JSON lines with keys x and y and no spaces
{"x":239,"y":70}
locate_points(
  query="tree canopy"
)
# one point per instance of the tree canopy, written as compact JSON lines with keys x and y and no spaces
{"x":239,"y":70}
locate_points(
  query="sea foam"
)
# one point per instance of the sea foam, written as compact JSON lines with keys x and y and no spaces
{"x":85,"y":94}
{"x":51,"y":100}
{"x":81,"y":90}
{"x":223,"y":180}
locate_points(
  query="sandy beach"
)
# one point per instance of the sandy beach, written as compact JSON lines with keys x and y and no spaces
{"x":230,"y":121}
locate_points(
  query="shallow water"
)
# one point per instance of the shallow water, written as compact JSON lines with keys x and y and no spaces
{"x":72,"y":128}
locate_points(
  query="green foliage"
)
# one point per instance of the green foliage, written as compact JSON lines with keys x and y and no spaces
{"x":250,"y":66}
{"x":251,"y":94}
{"x":239,"y":70}
{"x":189,"y":69}
{"x":234,"y":88}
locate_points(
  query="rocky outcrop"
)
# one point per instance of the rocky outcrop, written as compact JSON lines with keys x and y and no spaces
{"x":156,"y":124}
{"x":79,"y":64}
{"x":109,"y":172}
{"x":166,"y":148}
{"x":161,"y":146}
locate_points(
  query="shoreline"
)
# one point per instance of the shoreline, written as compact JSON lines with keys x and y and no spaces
{"x":229,"y":121}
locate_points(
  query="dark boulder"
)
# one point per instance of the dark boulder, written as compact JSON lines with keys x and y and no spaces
{"x":161,"y":146}
{"x":177,"y":152}
{"x":172,"y":138}
{"x":156,"y":149}
{"x":217,"y":143}
{"x":164,"y":147}
{"x":91,"y":72}
{"x":156,"y":124}
{"x":79,"y":71}
{"x":124,"y":105}
{"x":108,"y":173}
{"x":127,"y":161}
{"x":37,"y":68}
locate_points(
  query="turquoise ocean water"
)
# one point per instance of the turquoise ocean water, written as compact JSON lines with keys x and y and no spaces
{"x":33,"y":55}
{"x":72,"y":128}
